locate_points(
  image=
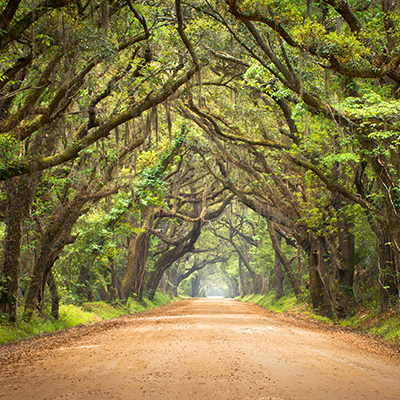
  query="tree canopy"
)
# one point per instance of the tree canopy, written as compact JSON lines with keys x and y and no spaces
{"x":222,"y":147}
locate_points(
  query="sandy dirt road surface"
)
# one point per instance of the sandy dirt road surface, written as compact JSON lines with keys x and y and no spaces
{"x":201,"y":349}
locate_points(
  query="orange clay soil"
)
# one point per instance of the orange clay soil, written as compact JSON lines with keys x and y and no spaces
{"x":201,"y":349}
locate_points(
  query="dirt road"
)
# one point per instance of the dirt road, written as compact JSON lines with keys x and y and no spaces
{"x":200,"y":349}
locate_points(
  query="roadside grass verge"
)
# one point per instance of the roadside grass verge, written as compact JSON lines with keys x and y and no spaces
{"x":72,"y":315}
{"x":385,"y":325}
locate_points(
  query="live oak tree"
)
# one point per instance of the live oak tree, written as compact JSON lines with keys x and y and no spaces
{"x":336,"y":42}
{"x":65,"y":200}
{"x":53,"y":106}
{"x":330,"y":43}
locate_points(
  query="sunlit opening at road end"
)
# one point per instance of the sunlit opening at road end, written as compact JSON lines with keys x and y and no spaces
{"x":216,"y":292}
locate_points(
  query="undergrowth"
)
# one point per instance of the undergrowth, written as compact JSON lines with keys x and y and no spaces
{"x":71,"y":315}
{"x":385,"y":325}
{"x":285,"y":303}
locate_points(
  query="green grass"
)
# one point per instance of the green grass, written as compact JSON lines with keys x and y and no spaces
{"x":285,"y":303}
{"x":385,"y":325}
{"x":104,"y":310}
{"x":71,"y":315}
{"x":389,"y":328}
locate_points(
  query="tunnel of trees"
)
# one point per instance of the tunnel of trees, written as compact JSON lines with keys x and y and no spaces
{"x":201,"y":147}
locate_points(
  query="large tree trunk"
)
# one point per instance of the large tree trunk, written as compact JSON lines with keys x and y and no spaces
{"x":242,"y":285}
{"x":388,"y":264}
{"x":19,"y":194}
{"x":341,"y":268}
{"x":137,"y":256}
{"x":163,"y":282}
{"x":136,"y":264}
{"x":112,"y":289}
{"x":278,"y":274}
{"x":389,"y":290}
{"x":324,"y":269}
{"x":319,"y":293}
{"x":169,"y":257}
{"x":160,"y":266}
{"x":42,"y":268}
{"x":293,"y":279}
{"x":53,"y":240}
{"x":195,"y":285}
{"x":174,"y":279}
{"x":300,"y":264}
{"x":120,"y":291}
{"x":82,"y":280}
{"x":333,"y":286}
{"x":255,"y":278}
{"x":55,"y":299}
{"x":342,"y":279}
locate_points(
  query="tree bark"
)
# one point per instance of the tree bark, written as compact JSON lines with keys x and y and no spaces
{"x":195,"y":285}
{"x":137,"y":256}
{"x":255,"y":278}
{"x":82,"y":279}
{"x":300,"y":264}
{"x":174,"y":278}
{"x":278,"y":273}
{"x":319,"y":293}
{"x":52,"y":241}
{"x":242,"y":285}
{"x":163,"y":282}
{"x":342,"y":280}
{"x":285,"y":262}
{"x":389,"y":290}
{"x":19,"y":195}
{"x":169,"y":257}
{"x":113,"y":285}
{"x":55,"y":299}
